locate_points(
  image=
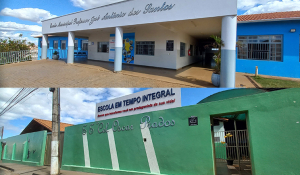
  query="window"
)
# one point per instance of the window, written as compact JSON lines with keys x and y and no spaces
{"x":263,"y":47}
{"x":63,"y":44}
{"x":76,"y":45}
{"x":103,"y":46}
{"x":55,"y":44}
{"x":85,"y":44}
{"x":182,"y":49}
{"x":145,"y":47}
{"x":170,"y":45}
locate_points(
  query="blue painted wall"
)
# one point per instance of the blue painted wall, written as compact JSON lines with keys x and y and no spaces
{"x":290,"y":65}
{"x":62,"y":53}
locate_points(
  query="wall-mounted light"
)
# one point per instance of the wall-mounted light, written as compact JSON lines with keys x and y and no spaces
{"x":293,"y":30}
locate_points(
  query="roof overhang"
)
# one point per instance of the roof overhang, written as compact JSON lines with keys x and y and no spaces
{"x":270,"y":20}
{"x":137,"y":12}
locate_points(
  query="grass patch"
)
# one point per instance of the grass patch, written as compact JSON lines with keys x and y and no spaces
{"x":276,"y":83}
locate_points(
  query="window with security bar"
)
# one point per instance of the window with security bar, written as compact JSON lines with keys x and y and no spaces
{"x":85,"y":44}
{"x":103,"y":46}
{"x":260,"y":47}
{"x":55,"y":44}
{"x":145,"y":48}
{"x":76,"y":45}
{"x":63,"y":44}
{"x":182,"y":49}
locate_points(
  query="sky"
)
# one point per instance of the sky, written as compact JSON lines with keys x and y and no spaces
{"x":25,"y":16}
{"x":77,"y":104}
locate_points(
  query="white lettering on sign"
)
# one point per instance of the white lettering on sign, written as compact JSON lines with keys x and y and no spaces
{"x":116,"y":127}
{"x":148,"y":9}
{"x":144,"y":101}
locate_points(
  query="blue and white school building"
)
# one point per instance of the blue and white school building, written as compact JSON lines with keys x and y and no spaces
{"x":172,"y":34}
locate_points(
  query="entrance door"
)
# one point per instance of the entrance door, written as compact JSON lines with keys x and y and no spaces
{"x":231,"y":145}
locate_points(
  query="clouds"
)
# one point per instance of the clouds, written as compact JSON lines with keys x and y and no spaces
{"x":29,"y":14}
{"x":16,"y":36}
{"x":275,"y":6}
{"x":13,"y":26}
{"x":77,"y":105}
{"x":87,"y":4}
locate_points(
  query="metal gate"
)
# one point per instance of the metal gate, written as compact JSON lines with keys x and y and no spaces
{"x":231,"y":145}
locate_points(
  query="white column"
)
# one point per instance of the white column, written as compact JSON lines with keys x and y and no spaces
{"x":118,"y":49}
{"x":228,"y":53}
{"x":71,"y":41}
{"x":44,"y":46}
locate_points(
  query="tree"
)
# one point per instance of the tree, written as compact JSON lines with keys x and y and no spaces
{"x":7,"y":45}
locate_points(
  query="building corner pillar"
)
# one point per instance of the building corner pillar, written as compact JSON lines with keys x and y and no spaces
{"x":228,"y":52}
{"x":44,"y":46}
{"x":118,"y":49}
{"x":71,"y":41}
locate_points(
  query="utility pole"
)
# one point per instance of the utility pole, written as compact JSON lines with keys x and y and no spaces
{"x":55,"y":131}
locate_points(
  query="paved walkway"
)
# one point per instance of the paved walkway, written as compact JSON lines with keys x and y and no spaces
{"x":52,"y":73}
{"x":17,"y":169}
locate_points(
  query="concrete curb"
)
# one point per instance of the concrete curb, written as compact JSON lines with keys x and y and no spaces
{"x":257,"y":85}
{"x":7,"y":168}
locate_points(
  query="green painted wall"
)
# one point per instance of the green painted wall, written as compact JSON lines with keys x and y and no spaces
{"x":26,"y":149}
{"x":272,"y":119}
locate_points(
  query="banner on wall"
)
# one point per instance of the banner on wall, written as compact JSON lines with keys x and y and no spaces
{"x":112,"y":47}
{"x":145,"y":101}
{"x":128,"y":48}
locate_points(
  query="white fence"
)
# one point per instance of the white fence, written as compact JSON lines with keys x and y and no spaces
{"x":18,"y":56}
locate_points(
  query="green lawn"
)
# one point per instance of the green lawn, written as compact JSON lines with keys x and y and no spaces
{"x":276,"y":83}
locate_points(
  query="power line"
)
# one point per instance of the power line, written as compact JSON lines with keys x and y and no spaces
{"x":18,"y":98}
{"x":15,"y":97}
{"x":25,"y":99}
{"x":12,"y":97}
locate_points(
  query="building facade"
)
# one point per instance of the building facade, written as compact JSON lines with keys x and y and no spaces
{"x":60,"y":44}
{"x":271,"y":42}
{"x":181,"y":140}
{"x":159,"y":33}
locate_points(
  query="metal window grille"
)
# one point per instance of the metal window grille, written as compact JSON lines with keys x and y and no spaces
{"x":262,"y":47}
{"x":170,"y":45}
{"x":55,"y":44}
{"x":76,"y":45}
{"x":63,"y":44}
{"x":182,"y":49}
{"x":145,"y":47}
{"x":103,"y":46}
{"x":85,"y":44}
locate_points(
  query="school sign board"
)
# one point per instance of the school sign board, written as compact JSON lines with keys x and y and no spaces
{"x":145,"y":101}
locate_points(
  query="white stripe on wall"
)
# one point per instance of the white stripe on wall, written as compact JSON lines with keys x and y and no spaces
{"x":86,"y":151}
{"x":113,"y":150}
{"x":151,"y":156}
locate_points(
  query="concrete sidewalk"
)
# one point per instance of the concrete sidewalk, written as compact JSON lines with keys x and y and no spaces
{"x":53,"y":73}
{"x":17,"y":169}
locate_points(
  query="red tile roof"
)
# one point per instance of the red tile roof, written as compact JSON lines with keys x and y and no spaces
{"x":48,"y":124}
{"x":269,"y":16}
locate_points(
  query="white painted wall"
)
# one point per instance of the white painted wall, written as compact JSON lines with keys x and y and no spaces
{"x":219,"y":131}
{"x":93,"y":52}
{"x":186,"y":60}
{"x":161,"y":58}
{"x":158,"y":34}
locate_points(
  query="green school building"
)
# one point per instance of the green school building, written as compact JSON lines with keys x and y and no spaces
{"x":264,"y":137}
